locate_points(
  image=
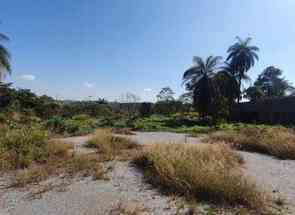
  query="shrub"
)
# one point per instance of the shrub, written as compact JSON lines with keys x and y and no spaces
{"x":77,"y":125}
{"x":120,"y":124}
{"x":20,"y":147}
{"x":152,"y":123}
{"x":56,"y":124}
{"x":208,"y":172}
{"x":275,"y":141}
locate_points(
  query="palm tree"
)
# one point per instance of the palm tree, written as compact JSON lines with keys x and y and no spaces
{"x":227,"y":81}
{"x":4,"y":59}
{"x":241,"y":58}
{"x":198,"y":80}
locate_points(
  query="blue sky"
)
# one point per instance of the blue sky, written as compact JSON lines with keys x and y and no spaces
{"x":102,"y":48}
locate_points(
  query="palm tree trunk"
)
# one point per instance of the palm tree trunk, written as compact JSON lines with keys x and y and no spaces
{"x":240,"y":83}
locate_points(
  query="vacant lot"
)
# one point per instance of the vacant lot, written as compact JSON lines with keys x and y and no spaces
{"x":126,"y":184}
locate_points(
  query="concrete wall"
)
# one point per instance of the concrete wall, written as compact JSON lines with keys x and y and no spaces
{"x":272,"y":111}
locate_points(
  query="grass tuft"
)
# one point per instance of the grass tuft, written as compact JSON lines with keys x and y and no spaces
{"x":110,"y":146}
{"x":275,"y":141}
{"x":207,"y":172}
{"x":129,"y":208}
{"x":82,"y":165}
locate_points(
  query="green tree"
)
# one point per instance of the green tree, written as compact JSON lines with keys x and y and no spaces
{"x":165,"y":95}
{"x":254,"y":93}
{"x":5,"y":66}
{"x":272,"y":84}
{"x":199,"y":80}
{"x":241,"y":57}
{"x":226,"y":81}
{"x":269,"y":84}
{"x":186,"y":98}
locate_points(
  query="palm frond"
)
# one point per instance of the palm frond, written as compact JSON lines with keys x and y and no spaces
{"x":247,"y":41}
{"x":5,"y":59}
{"x":3,"y":37}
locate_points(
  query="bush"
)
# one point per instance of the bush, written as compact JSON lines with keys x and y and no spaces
{"x":181,"y":122}
{"x":20,"y":147}
{"x":56,"y":124}
{"x":152,"y":123}
{"x":207,"y":172}
{"x":77,"y":125}
{"x":276,"y":141}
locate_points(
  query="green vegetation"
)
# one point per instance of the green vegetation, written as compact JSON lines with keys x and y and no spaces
{"x":20,"y":147}
{"x":215,"y":87}
{"x":269,"y":84}
{"x":174,"y":123}
{"x":276,"y":141}
{"x":35,"y":158}
{"x":207,"y":172}
{"x":76,"y":125}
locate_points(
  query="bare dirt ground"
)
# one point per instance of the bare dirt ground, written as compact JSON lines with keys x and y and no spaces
{"x":274,"y":175}
{"x":88,"y":197}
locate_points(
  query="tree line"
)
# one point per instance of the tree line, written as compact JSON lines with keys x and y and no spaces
{"x":215,"y":85}
{"x":212,"y":85}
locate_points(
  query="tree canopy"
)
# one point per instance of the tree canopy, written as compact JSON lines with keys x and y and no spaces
{"x":166,"y":94}
{"x":198,"y":80}
{"x":269,"y":84}
{"x":241,"y":57}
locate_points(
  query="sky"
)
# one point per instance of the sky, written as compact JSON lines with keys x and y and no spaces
{"x":85,"y":49}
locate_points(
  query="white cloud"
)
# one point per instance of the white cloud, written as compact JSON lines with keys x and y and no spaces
{"x":27,"y":77}
{"x":147,"y":90}
{"x":88,"y":84}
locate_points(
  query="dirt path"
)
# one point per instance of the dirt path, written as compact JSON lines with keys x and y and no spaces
{"x":126,"y":185}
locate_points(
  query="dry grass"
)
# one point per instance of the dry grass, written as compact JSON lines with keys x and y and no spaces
{"x":207,"y":172}
{"x":275,"y":141}
{"x":129,"y":208}
{"x":112,"y":147}
{"x":28,"y":155}
{"x":60,"y":162}
{"x":81,"y":165}
{"x":59,"y":149}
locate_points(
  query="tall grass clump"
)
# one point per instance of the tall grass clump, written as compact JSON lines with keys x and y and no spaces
{"x":275,"y":141}
{"x":110,"y":146}
{"x":207,"y":172}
